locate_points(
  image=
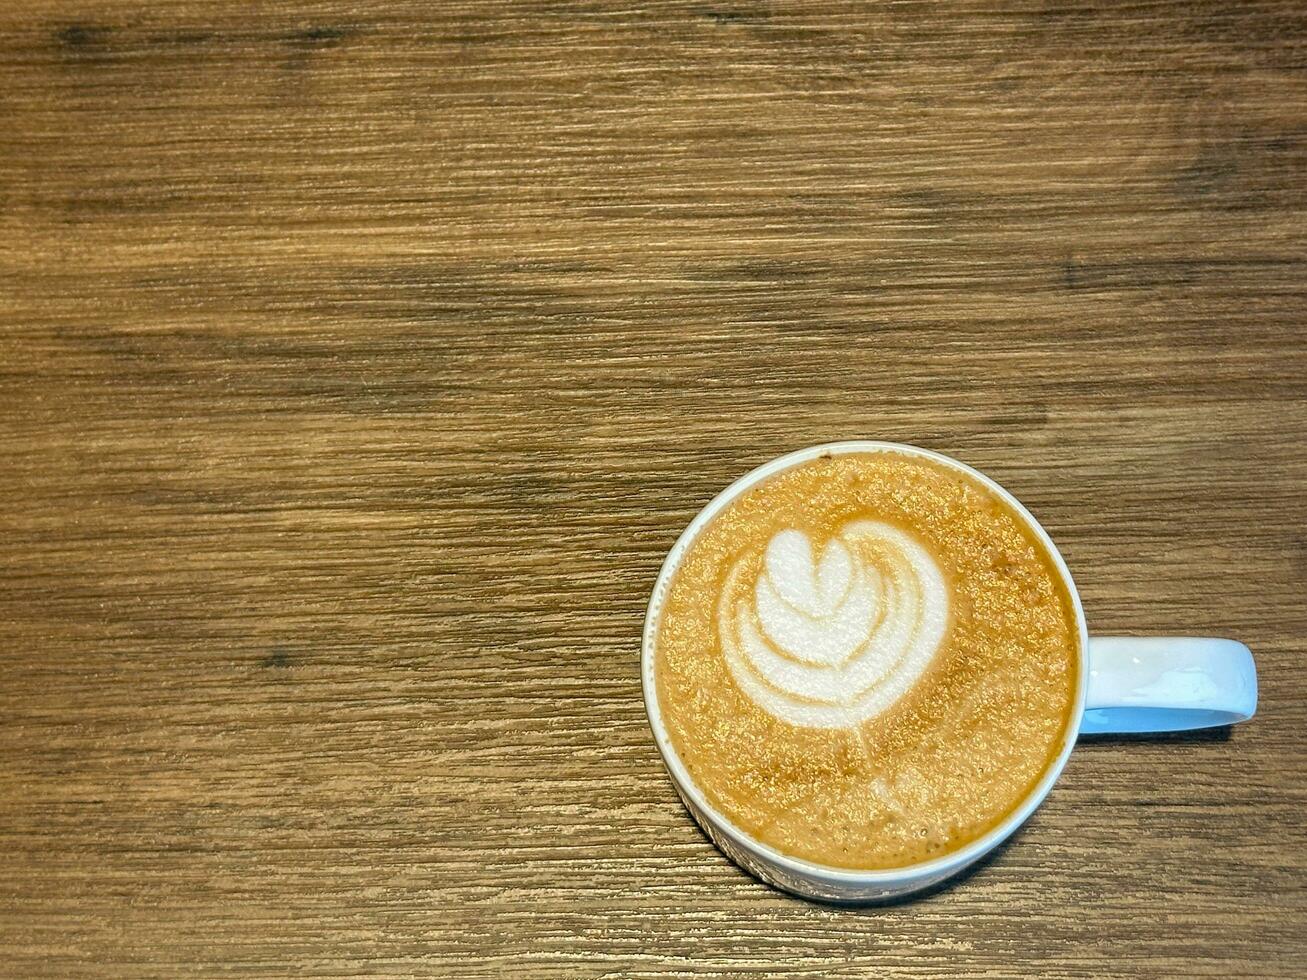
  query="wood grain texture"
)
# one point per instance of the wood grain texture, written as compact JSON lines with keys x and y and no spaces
{"x":360,"y":362}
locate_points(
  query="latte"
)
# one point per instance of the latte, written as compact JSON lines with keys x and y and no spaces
{"x":867,"y":660}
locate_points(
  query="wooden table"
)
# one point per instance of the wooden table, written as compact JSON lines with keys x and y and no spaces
{"x":360,"y":362}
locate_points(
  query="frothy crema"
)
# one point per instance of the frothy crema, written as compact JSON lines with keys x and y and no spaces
{"x":831,"y":639}
{"x":866,"y":660}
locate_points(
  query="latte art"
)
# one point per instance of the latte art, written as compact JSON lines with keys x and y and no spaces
{"x":829,"y":641}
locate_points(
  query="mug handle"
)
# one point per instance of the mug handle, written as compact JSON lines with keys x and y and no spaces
{"x":1167,"y":684}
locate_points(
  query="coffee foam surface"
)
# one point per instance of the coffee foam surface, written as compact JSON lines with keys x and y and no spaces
{"x":866,"y":661}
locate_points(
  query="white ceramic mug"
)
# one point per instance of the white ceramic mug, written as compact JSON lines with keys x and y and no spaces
{"x":1127,"y":684}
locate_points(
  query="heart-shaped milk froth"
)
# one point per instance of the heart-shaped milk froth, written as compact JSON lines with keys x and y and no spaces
{"x":817,"y":611}
{"x":811,"y":587}
{"x":830,"y":639}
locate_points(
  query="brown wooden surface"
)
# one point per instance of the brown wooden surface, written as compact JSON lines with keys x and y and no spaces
{"x":361,"y":361}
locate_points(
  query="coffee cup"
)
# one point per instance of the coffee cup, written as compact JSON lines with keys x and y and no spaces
{"x":1114,"y":684}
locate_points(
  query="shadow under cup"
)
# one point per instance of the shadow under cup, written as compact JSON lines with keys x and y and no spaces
{"x":1124,"y":685}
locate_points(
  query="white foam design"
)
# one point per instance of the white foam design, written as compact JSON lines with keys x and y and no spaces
{"x":830,"y":641}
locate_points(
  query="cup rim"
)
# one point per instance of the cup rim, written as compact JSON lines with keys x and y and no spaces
{"x":935,"y":868}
